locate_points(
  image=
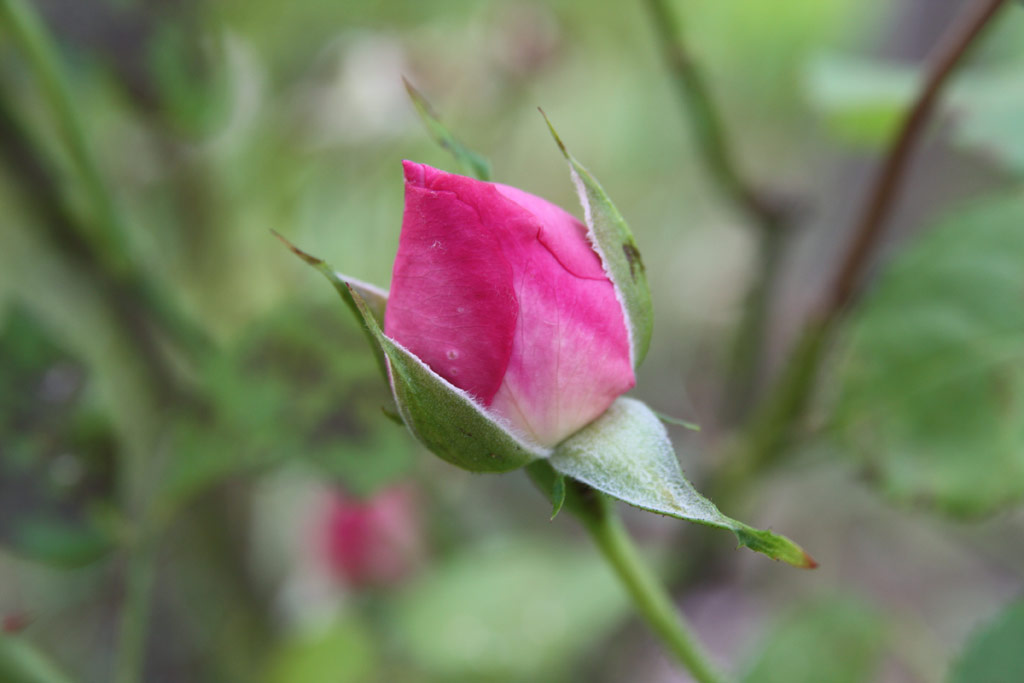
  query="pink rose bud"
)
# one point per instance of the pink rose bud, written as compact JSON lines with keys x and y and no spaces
{"x":372,"y":542}
{"x":501,"y":294}
{"x":15,"y":622}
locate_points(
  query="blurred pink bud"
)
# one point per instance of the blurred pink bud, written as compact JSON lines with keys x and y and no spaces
{"x":501,"y":293}
{"x":372,"y":542}
{"x":15,"y":622}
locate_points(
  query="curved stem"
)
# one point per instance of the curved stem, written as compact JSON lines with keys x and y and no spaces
{"x":772,"y":423}
{"x":746,"y":360}
{"x":131,"y":649}
{"x":21,"y":661}
{"x":889,"y":180}
{"x":648,"y":594}
{"x":37,"y":46}
{"x":706,"y":122}
{"x":107,"y":234}
{"x":769,"y":213}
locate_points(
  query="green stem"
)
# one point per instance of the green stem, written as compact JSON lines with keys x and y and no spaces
{"x":108,"y":237}
{"x":131,"y":647}
{"x":21,"y":661}
{"x":747,"y":354}
{"x":765,"y":212}
{"x":773,"y":424}
{"x":706,"y":121}
{"x":597,"y":513}
{"x":649,"y":595}
{"x":38,"y":48}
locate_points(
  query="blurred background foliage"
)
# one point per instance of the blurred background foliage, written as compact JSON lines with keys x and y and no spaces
{"x":197,"y":480}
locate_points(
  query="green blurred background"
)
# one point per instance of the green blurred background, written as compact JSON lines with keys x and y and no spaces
{"x":190,"y":420}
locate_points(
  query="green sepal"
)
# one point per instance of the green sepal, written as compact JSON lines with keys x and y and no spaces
{"x":614,"y":243}
{"x":557,"y":495}
{"x":392,"y":414}
{"x":374,"y":298}
{"x":470,"y":162}
{"x":626,"y":453}
{"x":772,"y":545}
{"x":441,"y":416}
{"x":677,"y":421}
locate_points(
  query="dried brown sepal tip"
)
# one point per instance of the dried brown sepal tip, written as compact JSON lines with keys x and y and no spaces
{"x":308,"y":258}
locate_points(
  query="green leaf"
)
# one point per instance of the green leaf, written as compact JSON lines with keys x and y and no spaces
{"x":862,"y":100}
{"x":989,"y":108}
{"x":509,"y":610}
{"x":444,"y":418}
{"x":296,"y":385}
{"x":341,"y":653}
{"x":839,"y":640}
{"x":470,"y":162}
{"x":932,"y":395}
{"x":441,"y":416}
{"x":994,"y":654}
{"x":614,"y":243}
{"x":627,"y":454}
{"x":20,"y":662}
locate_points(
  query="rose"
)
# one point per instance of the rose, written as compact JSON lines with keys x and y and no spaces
{"x":371,"y":542}
{"x":510,"y":334}
{"x":501,"y":293}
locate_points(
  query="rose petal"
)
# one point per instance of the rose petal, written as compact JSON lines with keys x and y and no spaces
{"x":452,"y":302}
{"x":570,"y":355}
{"x":563,"y":235}
{"x":500,"y":292}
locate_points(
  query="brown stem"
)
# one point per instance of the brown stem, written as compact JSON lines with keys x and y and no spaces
{"x":890,"y":177}
{"x":772,"y":425}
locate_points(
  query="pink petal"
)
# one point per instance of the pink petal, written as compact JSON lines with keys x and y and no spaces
{"x":562,"y":234}
{"x":500,"y":292}
{"x":570,"y":357}
{"x":376,"y":541}
{"x":452,"y":303}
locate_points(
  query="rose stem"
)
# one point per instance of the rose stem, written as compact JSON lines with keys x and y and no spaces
{"x":770,"y":216}
{"x":108,"y":239}
{"x":103,"y":250}
{"x":140,"y":571}
{"x":649,"y":596}
{"x":771,"y":426}
{"x":705,"y":119}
